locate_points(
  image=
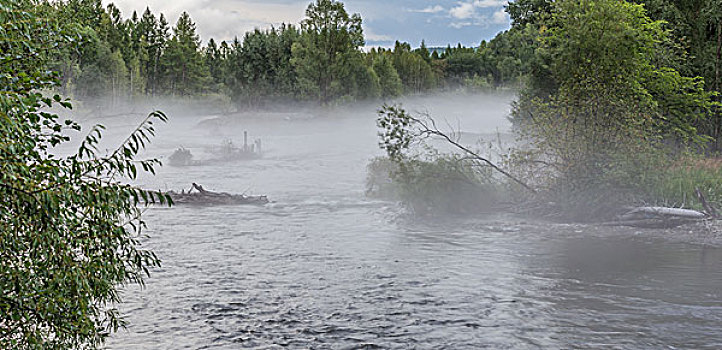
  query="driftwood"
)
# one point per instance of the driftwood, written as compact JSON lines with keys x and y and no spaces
{"x":650,"y":223}
{"x":202,"y":196}
{"x":657,"y":212}
{"x":708,"y":208}
{"x":182,"y":157}
{"x":657,"y":217}
{"x":228,"y":152}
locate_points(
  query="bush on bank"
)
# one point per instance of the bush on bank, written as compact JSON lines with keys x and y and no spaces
{"x":610,"y":127}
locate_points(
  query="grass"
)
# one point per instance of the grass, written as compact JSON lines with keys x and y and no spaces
{"x":678,"y":184}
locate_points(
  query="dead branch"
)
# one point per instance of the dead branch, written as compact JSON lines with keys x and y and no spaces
{"x":708,"y":208}
{"x":427,"y":129}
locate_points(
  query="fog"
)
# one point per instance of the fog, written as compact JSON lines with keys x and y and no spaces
{"x":324,"y":266}
{"x":289,"y":131}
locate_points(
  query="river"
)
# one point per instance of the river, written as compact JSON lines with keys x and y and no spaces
{"x":325,"y":267}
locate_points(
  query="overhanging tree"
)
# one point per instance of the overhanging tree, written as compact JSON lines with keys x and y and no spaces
{"x":69,"y":226}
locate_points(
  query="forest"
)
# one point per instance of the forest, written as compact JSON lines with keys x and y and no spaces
{"x":146,"y":56}
{"x":618,"y":105}
{"x":141,"y":56}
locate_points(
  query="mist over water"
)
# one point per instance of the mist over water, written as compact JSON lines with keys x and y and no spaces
{"x":325,"y":267}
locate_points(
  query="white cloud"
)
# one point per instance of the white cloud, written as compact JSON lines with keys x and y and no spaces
{"x":463,"y":10}
{"x":376,"y":41}
{"x":459,"y":25}
{"x":489,"y":3}
{"x":436,"y":21}
{"x":220,"y":19}
{"x":478,"y":13}
{"x":430,"y":9}
{"x":370,"y":35}
{"x":500,"y":17}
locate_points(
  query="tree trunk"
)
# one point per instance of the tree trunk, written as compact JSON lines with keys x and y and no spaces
{"x":717,"y":61}
{"x":718,"y":112}
{"x":130,"y":96}
{"x":155,"y":74}
{"x":67,"y":76}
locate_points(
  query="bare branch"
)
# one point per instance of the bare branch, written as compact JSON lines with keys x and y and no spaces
{"x":433,"y":130}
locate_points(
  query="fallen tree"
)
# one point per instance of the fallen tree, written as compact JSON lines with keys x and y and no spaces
{"x":197,"y":195}
{"x":657,"y":217}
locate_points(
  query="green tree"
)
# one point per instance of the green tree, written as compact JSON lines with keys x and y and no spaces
{"x":357,"y":80}
{"x":697,"y":25}
{"x":619,"y":44}
{"x":523,"y":12}
{"x":261,"y":65}
{"x":389,"y":81}
{"x":423,"y":51}
{"x":412,"y":68}
{"x":102,"y":72}
{"x":161,"y":36}
{"x":213,"y":59}
{"x":182,"y":61}
{"x":136,"y":78}
{"x":509,"y":57}
{"x":463,"y":64}
{"x":329,"y":36}
{"x":69,"y":226}
{"x":614,"y":104}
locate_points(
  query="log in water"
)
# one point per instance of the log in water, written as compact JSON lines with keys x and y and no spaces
{"x":197,"y":195}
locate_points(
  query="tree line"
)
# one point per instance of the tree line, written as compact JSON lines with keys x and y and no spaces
{"x":321,"y":59}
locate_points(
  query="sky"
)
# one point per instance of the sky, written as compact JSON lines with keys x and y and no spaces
{"x":438,"y":22}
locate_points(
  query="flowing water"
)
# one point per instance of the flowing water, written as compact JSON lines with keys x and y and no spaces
{"x":324,"y":267}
